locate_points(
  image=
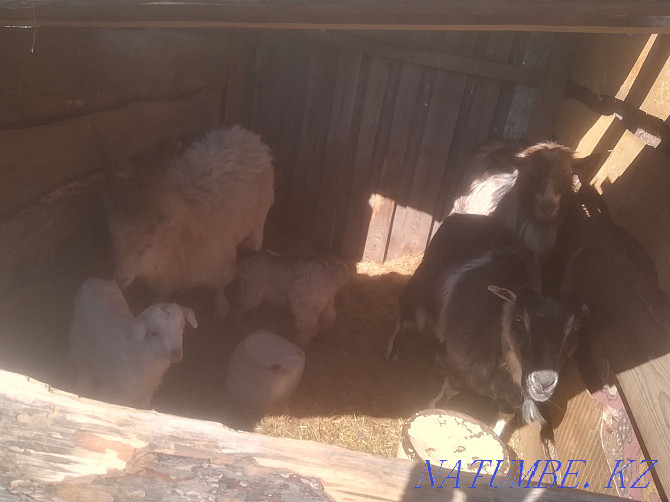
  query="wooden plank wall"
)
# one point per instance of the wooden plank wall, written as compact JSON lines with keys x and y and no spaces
{"x":136,"y":88}
{"x":369,"y":130}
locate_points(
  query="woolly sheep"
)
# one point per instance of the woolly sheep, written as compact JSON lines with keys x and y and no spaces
{"x":186,"y":229}
{"x":307,"y":287}
{"x":119,"y":358}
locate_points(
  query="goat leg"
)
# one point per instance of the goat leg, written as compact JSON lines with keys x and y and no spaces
{"x":447,"y":392}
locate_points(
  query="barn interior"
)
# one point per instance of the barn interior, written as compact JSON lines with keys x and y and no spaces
{"x":370,"y":130}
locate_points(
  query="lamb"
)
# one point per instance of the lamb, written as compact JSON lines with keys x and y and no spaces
{"x":119,"y":358}
{"x":523,"y":189}
{"x":185,"y":231}
{"x":307,"y":287}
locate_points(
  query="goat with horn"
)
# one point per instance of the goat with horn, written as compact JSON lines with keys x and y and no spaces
{"x":478,"y":292}
{"x":523,"y":188}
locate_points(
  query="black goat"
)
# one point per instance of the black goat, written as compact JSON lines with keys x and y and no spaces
{"x":477,"y":291}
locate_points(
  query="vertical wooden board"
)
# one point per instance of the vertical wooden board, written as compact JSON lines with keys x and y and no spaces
{"x":358,"y":210}
{"x":449,"y":185}
{"x":507,"y":89}
{"x":523,"y":101}
{"x":241,"y":79}
{"x":346,"y":197}
{"x":393,"y":157}
{"x":294,"y":108}
{"x":273,"y":80}
{"x":274,"y":54}
{"x":378,"y":229}
{"x":413,"y":234}
{"x":339,"y":129}
{"x":314,"y":175}
{"x":550,"y":95}
{"x":375,"y":232}
{"x":404,"y":233}
{"x":306,"y":143}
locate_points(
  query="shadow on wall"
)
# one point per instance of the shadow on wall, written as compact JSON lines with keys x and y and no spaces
{"x":369,"y":150}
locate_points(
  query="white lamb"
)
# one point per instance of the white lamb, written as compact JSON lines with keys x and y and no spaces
{"x":186,"y":230}
{"x":307,"y":287}
{"x":119,"y":358}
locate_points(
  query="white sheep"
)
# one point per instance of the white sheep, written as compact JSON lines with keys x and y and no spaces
{"x":119,"y":358}
{"x":307,"y":287}
{"x":186,"y":230}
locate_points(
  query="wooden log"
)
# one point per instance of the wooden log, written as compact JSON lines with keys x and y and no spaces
{"x":36,"y":160}
{"x":619,"y":16}
{"x":54,"y":445}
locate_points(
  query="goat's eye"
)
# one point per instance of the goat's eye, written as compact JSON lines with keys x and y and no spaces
{"x":518,"y":320}
{"x":153,"y":333}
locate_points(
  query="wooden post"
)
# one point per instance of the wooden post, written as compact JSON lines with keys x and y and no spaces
{"x":54,"y":445}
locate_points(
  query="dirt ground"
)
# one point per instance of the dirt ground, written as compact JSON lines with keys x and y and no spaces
{"x":350,"y":395}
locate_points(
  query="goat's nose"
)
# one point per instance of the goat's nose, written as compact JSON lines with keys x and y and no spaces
{"x":176,"y":355}
{"x":545,"y":380}
{"x":548,"y":207}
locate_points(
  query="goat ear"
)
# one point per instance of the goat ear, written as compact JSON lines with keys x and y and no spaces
{"x":503,"y":293}
{"x":139,"y":329}
{"x":585,"y":167}
{"x":190,"y":317}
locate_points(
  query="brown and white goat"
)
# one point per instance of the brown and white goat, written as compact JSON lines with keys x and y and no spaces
{"x":185,"y":230}
{"x":523,"y":188}
{"x":501,"y":338}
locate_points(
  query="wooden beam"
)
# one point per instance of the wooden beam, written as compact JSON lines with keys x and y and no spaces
{"x":432,"y":59}
{"x":616,"y":16}
{"x":550,"y":95}
{"x":56,"y":446}
{"x":631,"y":117}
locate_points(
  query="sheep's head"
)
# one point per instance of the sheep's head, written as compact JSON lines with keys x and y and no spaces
{"x":134,"y":238}
{"x":161,"y":326}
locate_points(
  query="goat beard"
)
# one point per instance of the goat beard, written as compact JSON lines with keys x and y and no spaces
{"x":530,"y":412}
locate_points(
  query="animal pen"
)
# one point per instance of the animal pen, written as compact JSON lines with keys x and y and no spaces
{"x":370,"y":110}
